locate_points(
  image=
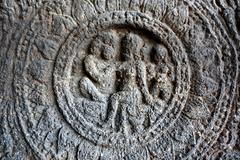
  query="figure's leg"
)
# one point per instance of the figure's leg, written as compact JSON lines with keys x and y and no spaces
{"x":116,"y":118}
{"x":89,"y":90}
{"x":127,"y":127}
{"x":117,"y":106}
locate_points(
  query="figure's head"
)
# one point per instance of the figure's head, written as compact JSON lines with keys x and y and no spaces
{"x":131,"y":46}
{"x":104,"y":45}
{"x":159,"y":53}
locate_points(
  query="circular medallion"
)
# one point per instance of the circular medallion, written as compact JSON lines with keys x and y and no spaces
{"x":125,"y":79}
{"x":125,"y":83}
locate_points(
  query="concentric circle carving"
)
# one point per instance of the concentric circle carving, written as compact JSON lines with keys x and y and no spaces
{"x":125,"y":83}
{"x":119,"y":98}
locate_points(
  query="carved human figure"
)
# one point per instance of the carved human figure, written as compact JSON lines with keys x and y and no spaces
{"x":161,"y":80}
{"x":100,"y":67}
{"x":133,"y":89}
{"x":163,"y":87}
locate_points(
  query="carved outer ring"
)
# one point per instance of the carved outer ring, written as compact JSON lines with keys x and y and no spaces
{"x":230,"y":72}
{"x":211,"y":133}
{"x":136,"y":20}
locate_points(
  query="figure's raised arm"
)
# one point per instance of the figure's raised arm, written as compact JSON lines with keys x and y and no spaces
{"x":142,"y":80}
{"x":91,"y":68}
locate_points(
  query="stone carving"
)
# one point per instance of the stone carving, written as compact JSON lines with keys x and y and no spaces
{"x":100,"y":67}
{"x":117,"y":95}
{"x":162,"y":79}
{"x":119,"y":80}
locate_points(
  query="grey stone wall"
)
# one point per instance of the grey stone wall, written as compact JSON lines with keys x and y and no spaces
{"x":117,"y":79}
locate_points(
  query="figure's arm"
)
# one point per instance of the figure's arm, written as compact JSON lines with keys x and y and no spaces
{"x":91,"y":68}
{"x":142,"y":77}
{"x":151,"y":73}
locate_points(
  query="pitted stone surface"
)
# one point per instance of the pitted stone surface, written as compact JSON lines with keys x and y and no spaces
{"x":119,"y":80}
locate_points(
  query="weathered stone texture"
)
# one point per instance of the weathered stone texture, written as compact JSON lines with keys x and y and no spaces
{"x":117,"y":79}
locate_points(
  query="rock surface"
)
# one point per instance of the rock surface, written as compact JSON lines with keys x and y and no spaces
{"x":116,"y":79}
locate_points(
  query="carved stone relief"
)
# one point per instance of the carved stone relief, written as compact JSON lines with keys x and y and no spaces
{"x":120,"y":80}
